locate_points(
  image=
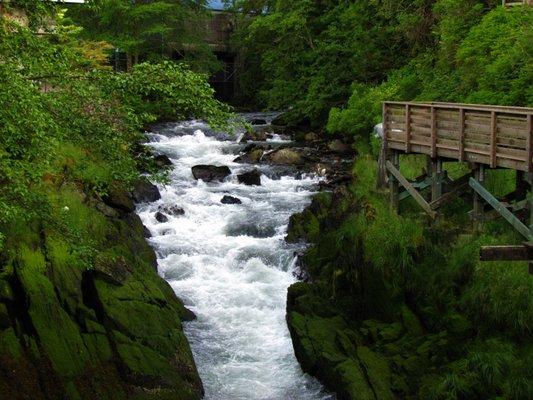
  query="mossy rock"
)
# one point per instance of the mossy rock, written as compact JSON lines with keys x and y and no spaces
{"x":109,"y":330}
{"x":411,"y":322}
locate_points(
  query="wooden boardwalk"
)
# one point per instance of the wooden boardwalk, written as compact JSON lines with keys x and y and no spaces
{"x":482,"y":136}
{"x":491,"y":135}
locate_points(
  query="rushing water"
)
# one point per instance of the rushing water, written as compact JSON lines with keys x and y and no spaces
{"x":231,"y":266}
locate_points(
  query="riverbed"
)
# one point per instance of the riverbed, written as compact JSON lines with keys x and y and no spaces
{"x":230,"y":264}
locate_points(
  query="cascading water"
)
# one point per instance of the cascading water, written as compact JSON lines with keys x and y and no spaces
{"x":231,"y":266}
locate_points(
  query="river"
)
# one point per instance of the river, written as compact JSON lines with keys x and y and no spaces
{"x":231,"y":266}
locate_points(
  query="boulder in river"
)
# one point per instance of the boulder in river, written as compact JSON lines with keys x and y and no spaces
{"x":253,"y":156}
{"x":162,"y":161}
{"x":284,"y":156}
{"x":171,"y":209}
{"x":145,"y":192}
{"x":258,"y":121}
{"x":230,"y":200}
{"x":339,"y":147}
{"x":119,"y":198}
{"x":251,"y":178}
{"x":160,"y":217}
{"x":311,"y":137}
{"x":209,"y":173}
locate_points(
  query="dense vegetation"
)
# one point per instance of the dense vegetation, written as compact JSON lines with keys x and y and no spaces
{"x":83,"y":313}
{"x":399,"y":307}
{"x":335,"y":61}
{"x":149,"y":30}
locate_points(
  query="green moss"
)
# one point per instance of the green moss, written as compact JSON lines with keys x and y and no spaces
{"x":377,"y":370}
{"x":66,"y":351}
{"x":72,"y":392}
{"x":353,"y":383}
{"x":9,"y":343}
{"x":410,"y":322}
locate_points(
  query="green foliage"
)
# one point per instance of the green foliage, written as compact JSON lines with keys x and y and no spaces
{"x":66,"y":121}
{"x":451,"y":326}
{"x":149,"y":30}
{"x":336,"y":62}
{"x":167,"y":91}
{"x":481,"y":57}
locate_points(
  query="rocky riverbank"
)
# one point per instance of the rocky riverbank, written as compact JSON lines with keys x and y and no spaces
{"x":397,"y":307}
{"x":112,"y":331}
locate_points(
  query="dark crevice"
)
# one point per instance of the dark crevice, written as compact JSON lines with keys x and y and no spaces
{"x":92,"y":300}
{"x":17,"y":309}
{"x":18,"y":312}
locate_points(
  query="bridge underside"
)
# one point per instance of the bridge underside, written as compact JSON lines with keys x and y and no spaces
{"x":483,"y":137}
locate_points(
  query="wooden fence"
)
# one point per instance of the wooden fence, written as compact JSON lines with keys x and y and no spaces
{"x":511,"y":3}
{"x":493,"y":135}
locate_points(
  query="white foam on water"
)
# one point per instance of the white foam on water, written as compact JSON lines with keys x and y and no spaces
{"x":231,"y":266}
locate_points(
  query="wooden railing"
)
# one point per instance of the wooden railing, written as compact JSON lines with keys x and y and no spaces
{"x":497,"y":136}
{"x":510,"y":3}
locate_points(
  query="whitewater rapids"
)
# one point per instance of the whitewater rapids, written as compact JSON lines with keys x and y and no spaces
{"x":231,"y":266}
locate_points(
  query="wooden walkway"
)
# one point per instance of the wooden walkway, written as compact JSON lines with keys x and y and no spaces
{"x":490,"y":135}
{"x":512,"y":3}
{"x":485,"y":137}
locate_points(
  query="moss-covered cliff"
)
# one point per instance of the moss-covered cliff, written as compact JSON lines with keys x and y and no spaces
{"x":397,"y":307}
{"x":109,"y":331}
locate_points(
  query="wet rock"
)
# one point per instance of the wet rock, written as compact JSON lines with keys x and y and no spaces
{"x":252,"y":178}
{"x":311,"y":137}
{"x":162,"y":161}
{"x":257,"y":135}
{"x":145,"y":192}
{"x":210,"y":173}
{"x":258,"y":121}
{"x":284,"y":156}
{"x":160,"y":217}
{"x":251,"y":157}
{"x":146,"y":232}
{"x":107,"y":210}
{"x":230,"y":200}
{"x":118,"y":198}
{"x":171,"y":209}
{"x":113,"y":271}
{"x":339,"y":147}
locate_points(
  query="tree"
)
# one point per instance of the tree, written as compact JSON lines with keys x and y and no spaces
{"x":149,"y":30}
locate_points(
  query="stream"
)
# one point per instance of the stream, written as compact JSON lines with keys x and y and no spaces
{"x":230,"y":265}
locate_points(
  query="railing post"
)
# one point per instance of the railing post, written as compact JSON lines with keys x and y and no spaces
{"x":407,"y":128}
{"x":479,"y":175}
{"x":433,"y":132}
{"x":529,"y":144}
{"x":436,"y":179}
{"x":461,"y":134}
{"x":394,"y":186}
{"x":493,"y":132}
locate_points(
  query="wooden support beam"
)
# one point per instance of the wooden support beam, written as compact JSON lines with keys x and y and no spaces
{"x":504,"y":212}
{"x":461,"y":134}
{"x":407,"y":185}
{"x":420,"y":185}
{"x":407,"y":128}
{"x":393,"y":182}
{"x":493,"y":133}
{"x":433,"y":132}
{"x":436,"y":177}
{"x":460,"y":186}
{"x":506,"y":253}
{"x":479,"y":175}
{"x":529,"y":144}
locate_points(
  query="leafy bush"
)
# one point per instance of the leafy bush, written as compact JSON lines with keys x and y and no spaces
{"x":67,"y":123}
